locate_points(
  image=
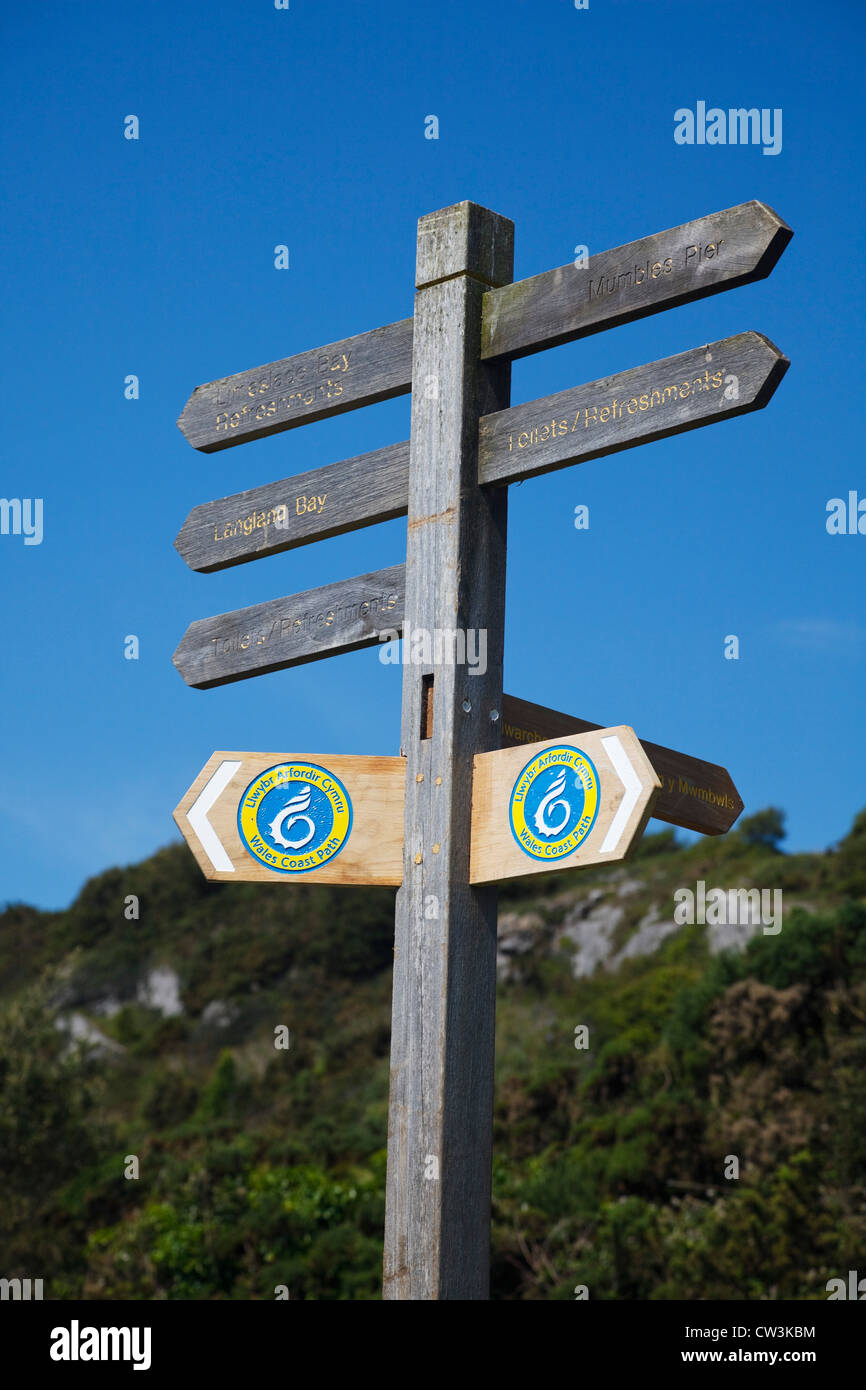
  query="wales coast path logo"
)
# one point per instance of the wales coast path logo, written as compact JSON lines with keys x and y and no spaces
{"x":295,"y":817}
{"x":554,"y":803}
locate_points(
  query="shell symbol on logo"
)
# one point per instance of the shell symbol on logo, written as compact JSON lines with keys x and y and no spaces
{"x":549,"y":800}
{"x":292,"y":812}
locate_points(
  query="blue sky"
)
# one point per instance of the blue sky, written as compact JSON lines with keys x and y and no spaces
{"x":306,"y":127}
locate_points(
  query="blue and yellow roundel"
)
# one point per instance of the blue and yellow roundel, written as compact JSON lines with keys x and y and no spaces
{"x":295,"y":817}
{"x":554,"y":803}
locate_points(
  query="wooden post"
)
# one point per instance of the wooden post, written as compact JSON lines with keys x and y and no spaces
{"x":437,"y":1223}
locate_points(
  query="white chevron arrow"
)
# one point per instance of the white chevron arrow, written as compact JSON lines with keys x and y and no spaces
{"x":623,"y":768}
{"x":198,"y":813}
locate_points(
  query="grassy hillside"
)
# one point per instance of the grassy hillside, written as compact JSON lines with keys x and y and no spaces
{"x":261,"y":1166}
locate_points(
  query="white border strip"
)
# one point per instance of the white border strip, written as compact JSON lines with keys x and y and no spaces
{"x":198,"y":813}
{"x":630,"y":780}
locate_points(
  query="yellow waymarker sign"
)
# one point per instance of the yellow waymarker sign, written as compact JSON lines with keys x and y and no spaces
{"x":561,"y":804}
{"x":250,"y":817}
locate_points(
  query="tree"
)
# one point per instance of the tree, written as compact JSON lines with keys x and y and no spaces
{"x":766,"y":828}
{"x":47,"y":1134}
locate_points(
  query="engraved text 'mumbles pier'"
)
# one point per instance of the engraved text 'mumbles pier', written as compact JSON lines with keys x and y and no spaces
{"x":714,"y":253}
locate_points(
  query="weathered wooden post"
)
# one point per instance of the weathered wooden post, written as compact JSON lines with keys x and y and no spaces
{"x":456,"y":814}
{"x":437,"y":1224}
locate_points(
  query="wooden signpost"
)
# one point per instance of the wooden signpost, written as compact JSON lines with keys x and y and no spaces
{"x":486,"y":787}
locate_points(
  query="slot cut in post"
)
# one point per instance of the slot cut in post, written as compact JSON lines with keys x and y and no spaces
{"x":427,"y":706}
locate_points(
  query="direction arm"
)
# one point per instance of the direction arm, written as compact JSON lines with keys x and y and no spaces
{"x":308,"y":507}
{"x":710,"y":383}
{"x":291,"y":631}
{"x":295,"y":391}
{"x":643,"y":277}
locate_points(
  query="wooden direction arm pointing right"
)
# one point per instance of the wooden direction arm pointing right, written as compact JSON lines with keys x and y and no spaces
{"x":711,"y":254}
